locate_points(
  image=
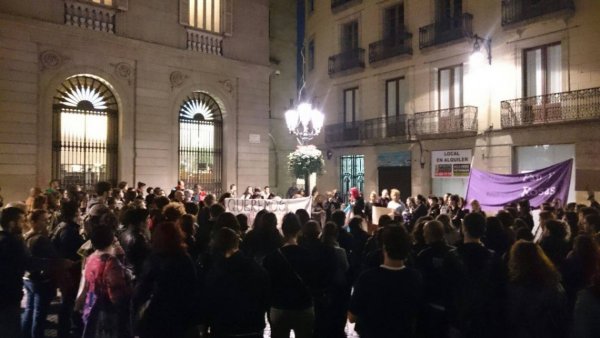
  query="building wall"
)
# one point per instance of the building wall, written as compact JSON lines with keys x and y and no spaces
{"x":484,"y":87}
{"x":151,"y":74}
{"x":283,"y":49}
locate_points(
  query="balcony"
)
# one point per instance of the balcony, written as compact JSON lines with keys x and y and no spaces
{"x":522,"y":11}
{"x":90,"y":16}
{"x":577,"y":105}
{"x":443,"y":123}
{"x":340,"y":5}
{"x":445,"y":31}
{"x":371,"y":131}
{"x":352,"y":60}
{"x":388,"y":48}
{"x":204,"y":42}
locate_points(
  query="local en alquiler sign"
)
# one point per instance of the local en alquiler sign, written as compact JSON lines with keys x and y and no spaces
{"x":451,"y":163}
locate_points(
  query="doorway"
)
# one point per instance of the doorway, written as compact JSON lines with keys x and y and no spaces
{"x":395,"y":178}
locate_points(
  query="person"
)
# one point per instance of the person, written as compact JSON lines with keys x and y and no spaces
{"x":292,"y":276}
{"x":105,"y":312}
{"x":435,"y":263}
{"x":267,"y":194}
{"x":373,"y":202}
{"x":476,"y":207}
{"x":495,"y":237}
{"x":396,"y":204}
{"x":587,"y":311}
{"x":33,"y":193}
{"x":478,"y":285}
{"x":165,"y":294}
{"x":421,"y":209}
{"x":356,"y":201}
{"x":345,"y":239}
{"x":555,"y":241}
{"x":330,"y":312}
{"x":248,"y":193}
{"x":39,"y":285}
{"x":387,"y":299}
{"x":67,"y":241}
{"x":456,"y":211}
{"x":140,"y":188}
{"x":536,"y":300}
{"x":102,"y":189}
{"x":236,"y":291}
{"x":434,"y":206}
{"x":13,"y":262}
{"x":359,"y":241}
{"x":233,"y":190}
{"x":179,"y":187}
{"x":580,"y":266}
{"x":135,"y":240}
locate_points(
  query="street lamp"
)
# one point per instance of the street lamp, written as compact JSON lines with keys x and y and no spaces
{"x":304,"y":122}
{"x":478,"y":56}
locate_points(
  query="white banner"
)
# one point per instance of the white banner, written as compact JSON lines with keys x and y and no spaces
{"x":280,"y":207}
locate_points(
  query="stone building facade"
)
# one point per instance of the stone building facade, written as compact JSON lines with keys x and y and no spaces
{"x":401,"y":89}
{"x":156,"y":58}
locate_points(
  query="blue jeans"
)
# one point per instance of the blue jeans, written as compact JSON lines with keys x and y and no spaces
{"x":33,"y":319}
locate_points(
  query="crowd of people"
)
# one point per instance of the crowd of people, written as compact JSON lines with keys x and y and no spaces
{"x":140,"y":262}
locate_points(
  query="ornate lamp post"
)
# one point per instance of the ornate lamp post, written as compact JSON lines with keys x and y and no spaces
{"x":305,"y":122}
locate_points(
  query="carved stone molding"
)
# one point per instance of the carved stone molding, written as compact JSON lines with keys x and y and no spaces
{"x":50,"y":59}
{"x":228,"y":85}
{"x":177,"y":78}
{"x":123,"y":70}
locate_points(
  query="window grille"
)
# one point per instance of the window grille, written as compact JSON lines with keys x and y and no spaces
{"x":352,"y":174}
{"x":85,"y":133}
{"x":200,"y":142}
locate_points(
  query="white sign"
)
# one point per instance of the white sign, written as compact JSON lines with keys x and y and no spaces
{"x":254,"y":138}
{"x":451,"y":163}
{"x":280,"y":207}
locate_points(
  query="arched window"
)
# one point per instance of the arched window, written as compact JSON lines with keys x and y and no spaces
{"x":85,"y":132}
{"x":200,"y":142}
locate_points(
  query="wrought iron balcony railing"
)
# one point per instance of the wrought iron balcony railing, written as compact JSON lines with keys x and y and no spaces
{"x":352,"y":59}
{"x":444,"y":123}
{"x":387,"y":48}
{"x":575,"y":105}
{"x":377,"y":130}
{"x":338,"y":5}
{"x":446,"y":30}
{"x":515,"y":11}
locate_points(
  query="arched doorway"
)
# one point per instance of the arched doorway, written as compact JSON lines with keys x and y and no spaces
{"x":201,"y":142}
{"x":84,"y":132}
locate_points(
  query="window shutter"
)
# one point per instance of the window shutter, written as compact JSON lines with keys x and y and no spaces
{"x":184,"y":12}
{"x":228,"y":17}
{"x":122,"y":5}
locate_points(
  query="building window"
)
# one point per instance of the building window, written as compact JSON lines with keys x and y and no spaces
{"x":393,"y":22}
{"x":351,"y":105}
{"x":349,"y":36}
{"x":205,"y":15}
{"x":450,"y":81}
{"x":84,"y":133}
{"x":542,"y":70}
{"x":395,"y":96}
{"x":103,"y":2}
{"x":448,"y":10}
{"x":200,"y":142}
{"x":311,"y":54}
{"x":352,"y":174}
{"x":310,"y":6}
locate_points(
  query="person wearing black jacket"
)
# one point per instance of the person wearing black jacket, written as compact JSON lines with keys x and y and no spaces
{"x":292,"y":275}
{"x":236,"y":292}
{"x":436,"y":263}
{"x":134,"y":240}
{"x":345,"y":239}
{"x":479,"y":284}
{"x":13,"y":262}
{"x":67,"y":241}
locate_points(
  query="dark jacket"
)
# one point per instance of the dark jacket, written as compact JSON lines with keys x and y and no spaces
{"x":586,"y":314}
{"x":479,"y":291}
{"x":168,"y":282}
{"x":67,"y":240}
{"x":436,"y":264}
{"x":537,"y":311}
{"x":39,"y":246}
{"x":236,"y":296}
{"x":14,"y":258}
{"x":137,"y":247}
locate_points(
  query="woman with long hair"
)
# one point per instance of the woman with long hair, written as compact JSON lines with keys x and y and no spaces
{"x":536,"y":300}
{"x":580,"y":266}
{"x":165,"y":295}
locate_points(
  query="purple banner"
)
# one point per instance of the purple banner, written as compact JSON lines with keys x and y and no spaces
{"x":494,"y":191}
